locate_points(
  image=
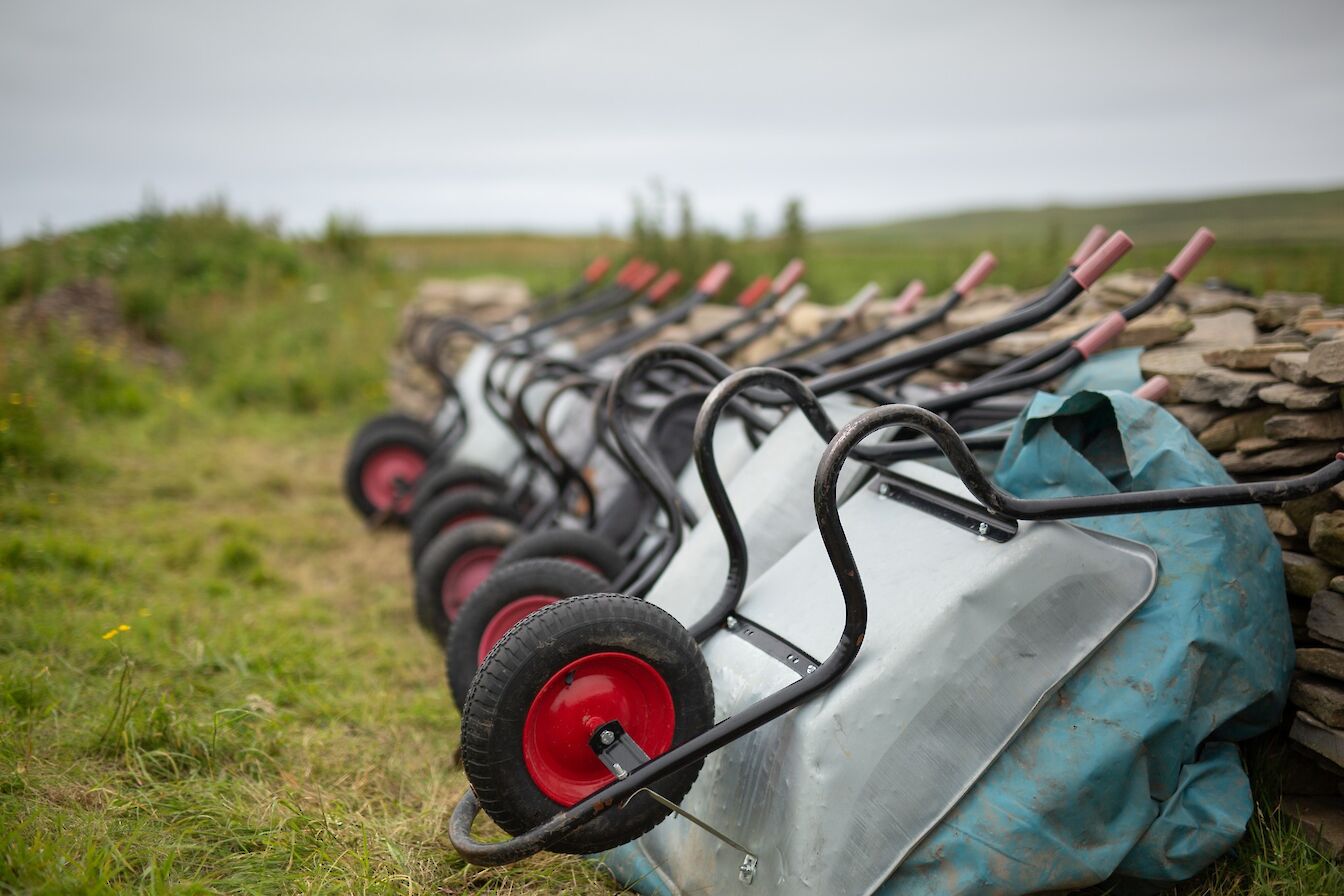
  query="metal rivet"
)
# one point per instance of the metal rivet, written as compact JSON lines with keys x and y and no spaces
{"x":608,"y":738}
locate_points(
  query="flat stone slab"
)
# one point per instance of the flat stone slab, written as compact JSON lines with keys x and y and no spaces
{"x":1229,"y":388}
{"x":1305,"y":575}
{"x":1325,"y":661}
{"x":1279,"y":522}
{"x":1197,"y":417}
{"x":1322,"y":699}
{"x":1318,"y":737}
{"x":1325,"y":622}
{"x":1227,"y":329}
{"x":1292,"y":366}
{"x":1233,"y":428}
{"x":1306,"y":425}
{"x":1321,"y":819}
{"x":1327,"y":537}
{"x":1294,"y":457}
{"x":1300,"y":398}
{"x":1326,"y":362}
{"x":1251,"y":357}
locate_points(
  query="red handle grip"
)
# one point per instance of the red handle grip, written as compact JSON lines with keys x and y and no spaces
{"x":1153,"y":389}
{"x":1190,"y":255}
{"x":665,"y":284}
{"x":905,"y":302}
{"x":1100,"y":261}
{"x":752,"y":294}
{"x":628,"y":270}
{"x":974,"y":275}
{"x":1096,"y":338}
{"x":713,"y":279}
{"x":644,"y":276}
{"x":596,"y":270}
{"x":1091,"y":243}
{"x":791,"y":274}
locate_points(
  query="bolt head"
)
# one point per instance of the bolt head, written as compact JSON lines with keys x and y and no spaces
{"x":608,"y":738}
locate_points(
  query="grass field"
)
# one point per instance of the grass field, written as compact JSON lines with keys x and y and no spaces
{"x":210,"y":676}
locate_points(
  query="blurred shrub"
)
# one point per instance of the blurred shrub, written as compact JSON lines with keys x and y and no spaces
{"x":346,"y":238}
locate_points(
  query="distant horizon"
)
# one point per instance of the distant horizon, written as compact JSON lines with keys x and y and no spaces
{"x":766,"y":232}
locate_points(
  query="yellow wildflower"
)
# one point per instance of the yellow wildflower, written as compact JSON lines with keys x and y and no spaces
{"x":123,"y":627}
{"x":109,"y":634}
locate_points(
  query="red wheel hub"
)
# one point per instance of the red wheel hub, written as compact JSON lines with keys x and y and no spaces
{"x":383,"y":469}
{"x":464,"y":576}
{"x":507,"y":618}
{"x":579,"y":699}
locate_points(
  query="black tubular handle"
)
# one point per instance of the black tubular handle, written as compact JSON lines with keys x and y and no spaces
{"x":973,"y":276}
{"x":1020,"y":318}
{"x":702,"y":447}
{"x":998,"y":501}
{"x":652,"y":474}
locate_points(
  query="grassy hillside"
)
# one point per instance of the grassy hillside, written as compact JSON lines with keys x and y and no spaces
{"x":1278,"y":218}
{"x":1289,"y":241}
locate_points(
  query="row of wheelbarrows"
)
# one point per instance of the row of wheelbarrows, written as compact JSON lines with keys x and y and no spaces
{"x":913,"y":676}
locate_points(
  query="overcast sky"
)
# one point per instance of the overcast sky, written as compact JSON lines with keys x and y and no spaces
{"x":548,"y":114}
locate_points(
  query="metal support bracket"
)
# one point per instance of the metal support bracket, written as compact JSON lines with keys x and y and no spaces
{"x":620,"y":754}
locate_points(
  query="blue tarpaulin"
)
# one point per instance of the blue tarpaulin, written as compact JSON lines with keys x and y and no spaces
{"x":1131,"y":768}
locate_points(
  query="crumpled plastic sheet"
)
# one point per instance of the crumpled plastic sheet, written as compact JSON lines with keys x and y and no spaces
{"x":1132,"y":771}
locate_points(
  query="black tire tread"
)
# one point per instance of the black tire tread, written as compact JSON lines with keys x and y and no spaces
{"x":435,"y":482}
{"x":559,"y":543}
{"x":428,"y":524}
{"x":506,"y":584}
{"x":436,"y":559}
{"x":363,"y":445}
{"x":536,"y":648}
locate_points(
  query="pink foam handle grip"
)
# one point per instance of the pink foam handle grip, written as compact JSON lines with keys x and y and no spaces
{"x":974,"y":275}
{"x":752,"y":294}
{"x":1153,"y":389}
{"x":1189,"y":256}
{"x":1091,"y":243}
{"x":596,"y":270}
{"x":791,"y":274}
{"x":715,"y":277}
{"x":1096,"y":338}
{"x":905,"y":302}
{"x":1100,"y":261}
{"x":628,"y":270}
{"x":644,"y":276}
{"x":665,"y":285}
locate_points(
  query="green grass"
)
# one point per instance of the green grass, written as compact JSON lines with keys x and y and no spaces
{"x":270,"y":719}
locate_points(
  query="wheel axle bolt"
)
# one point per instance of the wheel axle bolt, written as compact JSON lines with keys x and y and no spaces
{"x":607,"y":738}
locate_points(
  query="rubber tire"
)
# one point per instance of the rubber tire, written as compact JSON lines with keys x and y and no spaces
{"x":379,"y":433}
{"x":546,"y":577}
{"x":437,"y":559}
{"x":390,"y":420}
{"x":523,"y":661}
{"x":429,"y":522}
{"x":451,"y":477}
{"x":563,"y":544}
